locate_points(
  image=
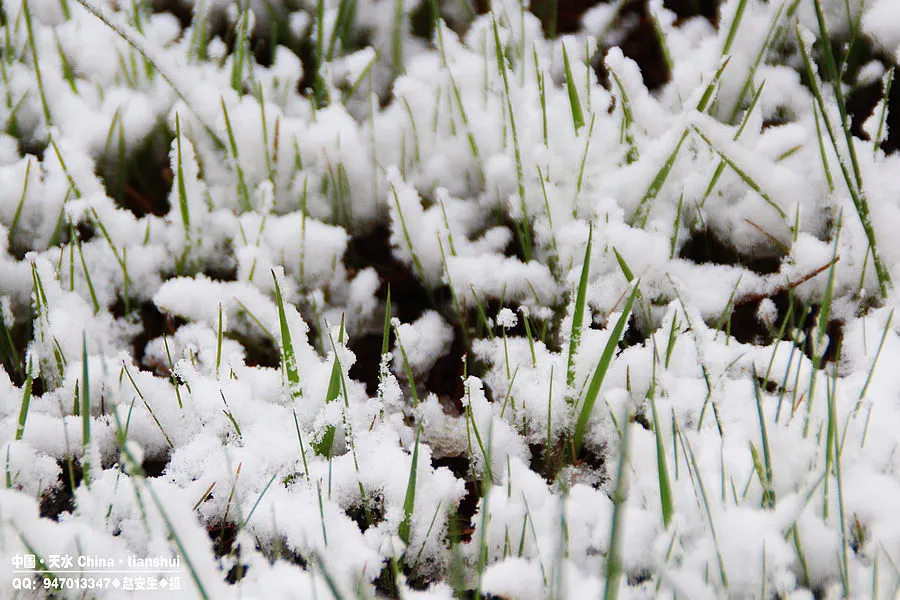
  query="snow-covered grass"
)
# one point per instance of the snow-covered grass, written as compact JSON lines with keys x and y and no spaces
{"x":343,"y":298}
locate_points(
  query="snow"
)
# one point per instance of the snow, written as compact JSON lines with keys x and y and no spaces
{"x":877,"y":22}
{"x":422,"y":342}
{"x":472,"y":202}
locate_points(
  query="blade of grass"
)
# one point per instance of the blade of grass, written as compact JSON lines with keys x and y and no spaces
{"x":593,"y":390}
{"x":662,"y":468}
{"x":613,"y":556}
{"x":406,"y":365}
{"x":26,"y":402}
{"x":36,"y":64}
{"x":86,"y":466}
{"x":324,"y":447}
{"x":865,"y":388}
{"x":220,"y":331}
{"x":578,"y":312}
{"x":243,"y":192}
{"x":523,"y":229}
{"x":695,"y":471}
{"x":741,"y":172}
{"x":409,"y":501}
{"x":821,"y":331}
{"x":734,"y":27}
{"x":574,"y":101}
{"x":768,"y":499}
{"x":720,"y":168}
{"x":240,"y":51}
{"x":14,"y":225}
{"x":288,"y":360}
{"x":302,"y":448}
{"x":182,"y":188}
{"x":626,"y":136}
{"x":885,"y":99}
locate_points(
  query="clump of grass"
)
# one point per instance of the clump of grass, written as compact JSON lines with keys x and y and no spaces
{"x":136,"y":41}
{"x":642,"y":213}
{"x":854,"y":181}
{"x":523,"y":227}
{"x":140,"y":479}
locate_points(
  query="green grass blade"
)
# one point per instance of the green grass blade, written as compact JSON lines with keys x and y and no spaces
{"x":239,"y":55}
{"x":182,"y":187}
{"x":578,"y":313}
{"x":288,"y":359}
{"x":574,"y":101}
{"x":14,"y":225}
{"x":255,"y":504}
{"x":773,"y":30}
{"x":593,"y":390}
{"x":670,"y":345}
{"x":768,"y":499}
{"x":826,"y":168}
{"x":626,"y":136}
{"x":720,"y":168}
{"x":408,"y":368}
{"x":85,"y":411}
{"x":302,"y":447}
{"x":587,"y":146}
{"x":865,"y":388}
{"x":397,"y":32}
{"x":26,"y":402}
{"x":613,"y":557}
{"x":76,"y":242}
{"x":751,"y":183}
{"x":885,"y":100}
{"x":341,"y":30}
{"x":68,"y":73}
{"x":523,"y":229}
{"x":420,"y":270}
{"x":663,"y":40}
{"x":821,"y":332}
{"x":676,"y":226}
{"x":324,"y":446}
{"x":629,"y":276}
{"x":220,"y":332}
{"x":642,"y":213}
{"x":695,"y":470}
{"x":36,"y":64}
{"x":409,"y":501}
{"x":662,"y":468}
{"x":735,"y":25}
{"x":386,"y":333}
{"x":243,"y":192}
